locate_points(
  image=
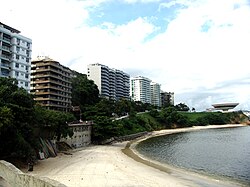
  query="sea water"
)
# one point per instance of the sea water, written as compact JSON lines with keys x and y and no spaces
{"x":223,"y":152}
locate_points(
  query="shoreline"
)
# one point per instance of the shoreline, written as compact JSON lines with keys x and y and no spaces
{"x":107,"y":165}
{"x":200,"y":179}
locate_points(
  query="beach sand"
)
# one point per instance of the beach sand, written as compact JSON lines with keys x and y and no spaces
{"x":119,"y":165}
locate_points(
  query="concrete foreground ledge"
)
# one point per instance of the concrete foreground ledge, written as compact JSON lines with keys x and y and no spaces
{"x":14,"y":177}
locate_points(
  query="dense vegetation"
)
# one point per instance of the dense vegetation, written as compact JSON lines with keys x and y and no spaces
{"x":167,"y":118}
{"x":22,"y":121}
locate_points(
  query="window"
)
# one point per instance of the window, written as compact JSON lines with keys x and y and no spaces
{"x":26,"y":76}
{"x":17,"y":65}
{"x":18,"y":41}
{"x":26,"y":68}
{"x":27,"y":59}
{"x":26,"y":84}
{"x":17,"y":74}
{"x":17,"y":57}
{"x":18,"y":49}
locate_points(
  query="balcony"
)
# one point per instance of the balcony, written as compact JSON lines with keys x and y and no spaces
{"x":48,"y":69}
{"x":6,"y":48}
{"x":48,"y":87}
{"x":4,"y":73}
{"x":48,"y":99}
{"x":47,"y":81}
{"x":38,"y":75}
{"x":6,"y":39}
{"x":6,"y":66}
{"x":6,"y":57}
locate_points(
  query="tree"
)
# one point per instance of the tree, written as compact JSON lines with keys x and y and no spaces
{"x":105,"y":107}
{"x":19,"y":116}
{"x":103,"y":129}
{"x":84,"y":91}
{"x":7,"y":87}
{"x":182,"y":107}
{"x":16,"y":112}
{"x":6,"y":117}
{"x":122,"y":107}
{"x":172,"y":118}
{"x":52,"y":124}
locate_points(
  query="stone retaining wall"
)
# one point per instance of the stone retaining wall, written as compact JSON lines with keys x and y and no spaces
{"x":131,"y":136}
{"x":17,"y":178}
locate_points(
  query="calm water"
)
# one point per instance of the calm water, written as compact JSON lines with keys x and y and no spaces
{"x":214,"y":152}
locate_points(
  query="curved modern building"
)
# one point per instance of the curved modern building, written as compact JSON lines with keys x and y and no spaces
{"x":224,"y":106}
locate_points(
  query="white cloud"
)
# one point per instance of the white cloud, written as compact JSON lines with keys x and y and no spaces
{"x":141,"y":1}
{"x":205,"y":44}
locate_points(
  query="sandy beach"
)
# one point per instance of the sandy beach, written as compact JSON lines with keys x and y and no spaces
{"x":116,"y":165}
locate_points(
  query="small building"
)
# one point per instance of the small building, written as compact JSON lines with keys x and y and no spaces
{"x":167,"y":98}
{"x":82,"y":134}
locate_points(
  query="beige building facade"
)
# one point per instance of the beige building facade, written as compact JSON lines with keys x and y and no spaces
{"x":51,"y":84}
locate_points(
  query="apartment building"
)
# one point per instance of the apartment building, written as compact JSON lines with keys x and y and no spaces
{"x":112,"y":83}
{"x":51,"y":84}
{"x":155,"y":94}
{"x":167,"y":98}
{"x":15,"y":55}
{"x":141,"y":89}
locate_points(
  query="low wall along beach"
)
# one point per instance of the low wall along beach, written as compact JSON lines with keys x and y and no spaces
{"x":17,"y":178}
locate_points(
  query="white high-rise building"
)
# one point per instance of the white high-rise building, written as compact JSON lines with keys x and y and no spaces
{"x":112,"y":83}
{"x":155,"y":94}
{"x":140,"y":89}
{"x":15,"y":55}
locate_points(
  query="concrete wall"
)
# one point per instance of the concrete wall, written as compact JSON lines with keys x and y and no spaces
{"x":17,"y":178}
{"x":82,"y":134}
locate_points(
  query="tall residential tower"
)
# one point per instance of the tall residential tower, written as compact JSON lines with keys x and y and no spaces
{"x":51,"y":84}
{"x":155,"y":94}
{"x":112,"y":83}
{"x":140,"y":89}
{"x":15,"y":55}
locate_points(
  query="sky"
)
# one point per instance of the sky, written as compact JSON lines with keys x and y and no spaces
{"x":198,"y":49}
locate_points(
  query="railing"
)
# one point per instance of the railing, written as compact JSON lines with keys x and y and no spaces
{"x":5,"y":56}
{"x":5,"y":65}
{"x":6,"y":48}
{"x":6,"y":39}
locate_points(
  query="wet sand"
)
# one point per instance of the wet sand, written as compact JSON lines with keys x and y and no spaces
{"x":119,"y":165}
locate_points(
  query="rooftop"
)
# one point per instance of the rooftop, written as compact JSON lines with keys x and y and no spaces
{"x":9,"y":28}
